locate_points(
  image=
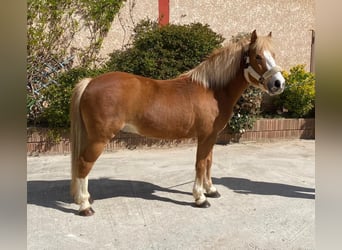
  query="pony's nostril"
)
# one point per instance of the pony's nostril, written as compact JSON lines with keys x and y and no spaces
{"x":277,"y":84}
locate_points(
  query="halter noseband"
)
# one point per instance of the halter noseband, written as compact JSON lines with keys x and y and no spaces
{"x":248,"y":70}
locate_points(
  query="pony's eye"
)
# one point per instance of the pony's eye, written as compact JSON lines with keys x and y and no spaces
{"x":258,"y":58}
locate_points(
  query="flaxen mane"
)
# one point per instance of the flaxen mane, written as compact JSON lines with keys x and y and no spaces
{"x":223,"y":64}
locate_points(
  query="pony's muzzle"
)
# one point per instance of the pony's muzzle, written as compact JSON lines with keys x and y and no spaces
{"x":276,"y":85}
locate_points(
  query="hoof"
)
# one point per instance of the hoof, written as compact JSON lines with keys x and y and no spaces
{"x":213,"y":195}
{"x":205,"y":204}
{"x":86,"y":212}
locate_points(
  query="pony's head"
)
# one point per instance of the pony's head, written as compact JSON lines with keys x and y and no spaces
{"x":260,"y":67}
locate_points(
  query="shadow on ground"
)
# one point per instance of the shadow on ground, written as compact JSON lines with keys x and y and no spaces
{"x":54,"y":194}
{"x":246,"y":186}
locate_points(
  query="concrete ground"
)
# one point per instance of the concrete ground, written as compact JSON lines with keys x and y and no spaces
{"x":143,"y":200}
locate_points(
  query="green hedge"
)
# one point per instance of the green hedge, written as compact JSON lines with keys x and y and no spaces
{"x":165,"y":52}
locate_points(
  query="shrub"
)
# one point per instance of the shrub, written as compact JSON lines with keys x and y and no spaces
{"x":57,"y":97}
{"x":298,"y":98}
{"x":246,"y":110}
{"x":165,"y":52}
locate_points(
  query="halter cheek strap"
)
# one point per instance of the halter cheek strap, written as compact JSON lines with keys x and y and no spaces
{"x":260,"y":78}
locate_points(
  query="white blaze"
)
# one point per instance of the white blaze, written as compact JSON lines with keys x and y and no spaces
{"x":270,"y":63}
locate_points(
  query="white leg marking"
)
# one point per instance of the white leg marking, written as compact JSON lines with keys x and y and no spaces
{"x":198,"y":192}
{"x":210,"y":189}
{"x":82,"y":195}
{"x":208,"y":185}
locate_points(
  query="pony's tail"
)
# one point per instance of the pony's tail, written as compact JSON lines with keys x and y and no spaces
{"x":77,"y":131}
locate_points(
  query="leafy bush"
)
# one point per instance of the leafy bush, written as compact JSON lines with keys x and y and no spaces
{"x":246,"y":110}
{"x":165,"y":52}
{"x":57,"y":97}
{"x":298,"y":98}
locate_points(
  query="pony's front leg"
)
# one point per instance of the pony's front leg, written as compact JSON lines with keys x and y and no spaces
{"x":203,"y":159}
{"x":210,"y":189}
{"x":198,"y":190}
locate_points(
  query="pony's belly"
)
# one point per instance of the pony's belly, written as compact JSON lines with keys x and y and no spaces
{"x":157,"y":132}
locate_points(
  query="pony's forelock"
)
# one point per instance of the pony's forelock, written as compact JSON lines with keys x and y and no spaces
{"x":263,"y":43}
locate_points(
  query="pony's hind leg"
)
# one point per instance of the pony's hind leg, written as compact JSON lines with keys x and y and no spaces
{"x":80,"y":186}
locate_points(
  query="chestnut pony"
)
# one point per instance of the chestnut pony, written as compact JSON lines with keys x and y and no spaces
{"x":197,"y":104}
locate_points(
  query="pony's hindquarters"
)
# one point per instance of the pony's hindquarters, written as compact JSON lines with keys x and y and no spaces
{"x":87,"y":143}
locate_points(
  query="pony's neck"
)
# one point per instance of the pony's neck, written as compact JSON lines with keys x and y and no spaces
{"x":230,"y":94}
{"x":237,"y":86}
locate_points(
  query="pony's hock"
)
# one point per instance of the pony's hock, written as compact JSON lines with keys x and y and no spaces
{"x":197,"y":104}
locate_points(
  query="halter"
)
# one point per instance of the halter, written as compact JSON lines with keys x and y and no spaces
{"x":248,"y":70}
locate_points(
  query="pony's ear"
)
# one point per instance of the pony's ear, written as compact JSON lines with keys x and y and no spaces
{"x":270,"y":34}
{"x":254,"y":36}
